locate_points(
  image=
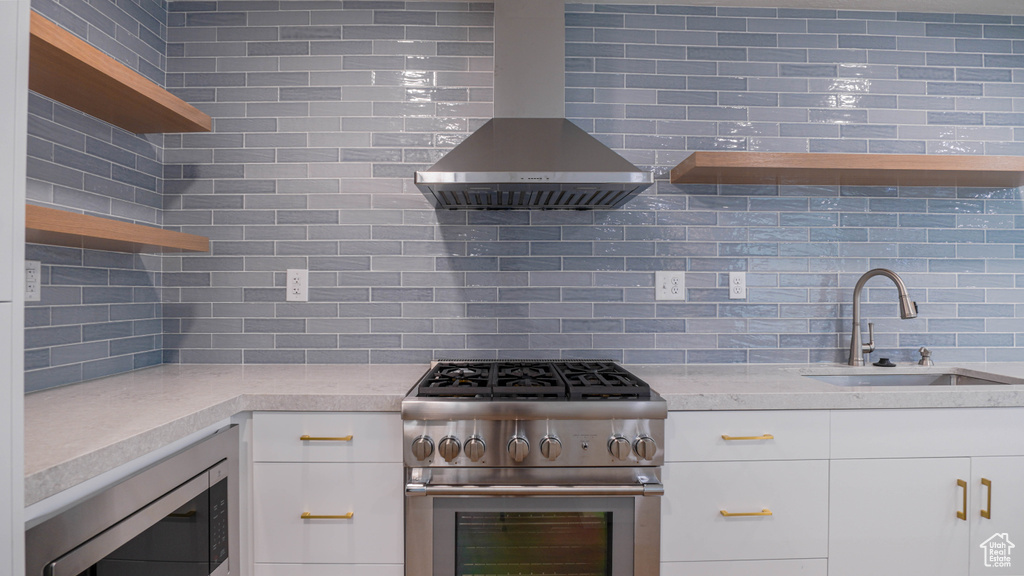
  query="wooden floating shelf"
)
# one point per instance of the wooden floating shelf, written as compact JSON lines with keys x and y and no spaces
{"x":849,"y":169}
{"x":69,"y":70}
{"x":58,"y":227}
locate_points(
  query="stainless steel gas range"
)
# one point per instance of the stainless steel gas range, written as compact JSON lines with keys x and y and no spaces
{"x":533,"y":467}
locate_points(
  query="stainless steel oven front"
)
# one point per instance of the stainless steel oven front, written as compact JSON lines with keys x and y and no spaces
{"x":580,"y":521}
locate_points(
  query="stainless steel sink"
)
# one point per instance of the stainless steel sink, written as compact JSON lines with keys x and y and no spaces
{"x":935,"y":379}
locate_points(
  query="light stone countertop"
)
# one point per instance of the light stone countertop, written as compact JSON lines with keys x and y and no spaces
{"x":78,"y":432}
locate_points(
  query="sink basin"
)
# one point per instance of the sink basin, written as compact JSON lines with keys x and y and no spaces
{"x":935,"y":379}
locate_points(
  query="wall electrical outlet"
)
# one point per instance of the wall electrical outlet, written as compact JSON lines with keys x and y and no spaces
{"x":297,"y":286}
{"x":737,"y":285}
{"x":33,"y":279}
{"x":669,"y":286}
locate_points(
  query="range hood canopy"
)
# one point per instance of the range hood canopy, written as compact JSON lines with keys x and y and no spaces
{"x":532,"y":163}
{"x":529,"y":155}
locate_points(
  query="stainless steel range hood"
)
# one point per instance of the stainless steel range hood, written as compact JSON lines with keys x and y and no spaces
{"x":529,"y":155}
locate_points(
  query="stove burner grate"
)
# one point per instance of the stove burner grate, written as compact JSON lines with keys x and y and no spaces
{"x":461,"y":381}
{"x":527,"y":381}
{"x":533,"y":380}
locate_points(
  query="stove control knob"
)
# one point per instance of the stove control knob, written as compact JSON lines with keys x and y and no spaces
{"x":550,"y":447}
{"x":448,"y":448}
{"x":518,"y":448}
{"x":475,"y":449}
{"x":619,"y":447}
{"x":645,"y":447}
{"x":422,"y":447}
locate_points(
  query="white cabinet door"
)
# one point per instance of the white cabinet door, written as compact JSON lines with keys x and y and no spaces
{"x":333,"y":437}
{"x":898,"y":517}
{"x":11,"y":487}
{"x":329,"y":570}
{"x":747,"y":435}
{"x":13,"y":102}
{"x":993,"y":539}
{"x":372,"y":492}
{"x":809,"y":567}
{"x":794,"y":493}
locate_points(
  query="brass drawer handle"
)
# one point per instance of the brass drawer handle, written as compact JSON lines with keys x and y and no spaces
{"x":763,"y":512}
{"x":987,"y":512}
{"x":308,"y":516}
{"x":761,"y":437}
{"x":307,"y":437}
{"x":962,"y":513}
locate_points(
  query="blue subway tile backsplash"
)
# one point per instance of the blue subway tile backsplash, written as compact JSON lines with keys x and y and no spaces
{"x":322,"y":111}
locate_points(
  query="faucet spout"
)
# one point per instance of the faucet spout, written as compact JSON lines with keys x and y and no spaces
{"x":908,"y":309}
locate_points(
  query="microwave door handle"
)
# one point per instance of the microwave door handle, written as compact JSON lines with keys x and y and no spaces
{"x":646,"y":489}
{"x":96,"y":549}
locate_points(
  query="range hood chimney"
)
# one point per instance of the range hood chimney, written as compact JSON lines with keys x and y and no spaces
{"x":529,"y":155}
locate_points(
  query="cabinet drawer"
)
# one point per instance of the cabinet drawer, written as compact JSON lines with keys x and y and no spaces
{"x":751,"y":435}
{"x":927,"y":433}
{"x":696,"y":493}
{"x":329,"y":570}
{"x":372,"y":492}
{"x":375,"y":437}
{"x":812,"y":567}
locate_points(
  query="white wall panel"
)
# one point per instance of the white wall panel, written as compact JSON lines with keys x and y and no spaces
{"x":14,"y":27}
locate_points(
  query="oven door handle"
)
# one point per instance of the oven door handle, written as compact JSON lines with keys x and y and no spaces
{"x":646,"y":489}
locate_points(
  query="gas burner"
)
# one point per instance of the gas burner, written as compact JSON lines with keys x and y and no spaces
{"x":602,"y":381}
{"x":533,"y":381}
{"x":464,"y":381}
{"x":525,"y":372}
{"x":459,"y":373}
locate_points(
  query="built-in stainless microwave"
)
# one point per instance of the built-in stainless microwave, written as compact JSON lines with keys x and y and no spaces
{"x":178,"y":517}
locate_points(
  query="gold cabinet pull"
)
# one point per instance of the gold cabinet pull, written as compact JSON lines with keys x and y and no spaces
{"x":962,"y":513}
{"x":987,"y":512}
{"x":308,"y":438}
{"x":308,"y":516}
{"x":761,"y":437}
{"x":763,"y":512}
{"x":188,"y":514}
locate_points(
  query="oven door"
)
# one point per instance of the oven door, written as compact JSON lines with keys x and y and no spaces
{"x":471,"y":523}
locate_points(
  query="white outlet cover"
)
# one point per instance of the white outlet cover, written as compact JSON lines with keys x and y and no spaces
{"x":33,"y":288}
{"x":297,"y":285}
{"x":737,"y":285}
{"x":669,"y":285}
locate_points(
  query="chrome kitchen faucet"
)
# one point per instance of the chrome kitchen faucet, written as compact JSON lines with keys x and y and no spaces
{"x":908,"y":309}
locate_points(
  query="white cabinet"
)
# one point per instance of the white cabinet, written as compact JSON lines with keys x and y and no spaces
{"x":343,"y":472}
{"x":809,"y":567}
{"x":745,"y":510}
{"x":747,"y":435}
{"x":745,"y":493}
{"x":329,"y":570}
{"x":997,"y":515}
{"x":14,"y":43}
{"x":371,"y":492}
{"x":898,"y":517}
{"x":331,"y":437}
{"x":908,"y":488}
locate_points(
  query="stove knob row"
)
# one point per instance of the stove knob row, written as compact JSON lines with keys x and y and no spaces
{"x":449,"y":448}
{"x":518,"y":448}
{"x":422,"y":447}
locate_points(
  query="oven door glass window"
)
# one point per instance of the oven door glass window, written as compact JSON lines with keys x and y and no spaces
{"x":533,"y":536}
